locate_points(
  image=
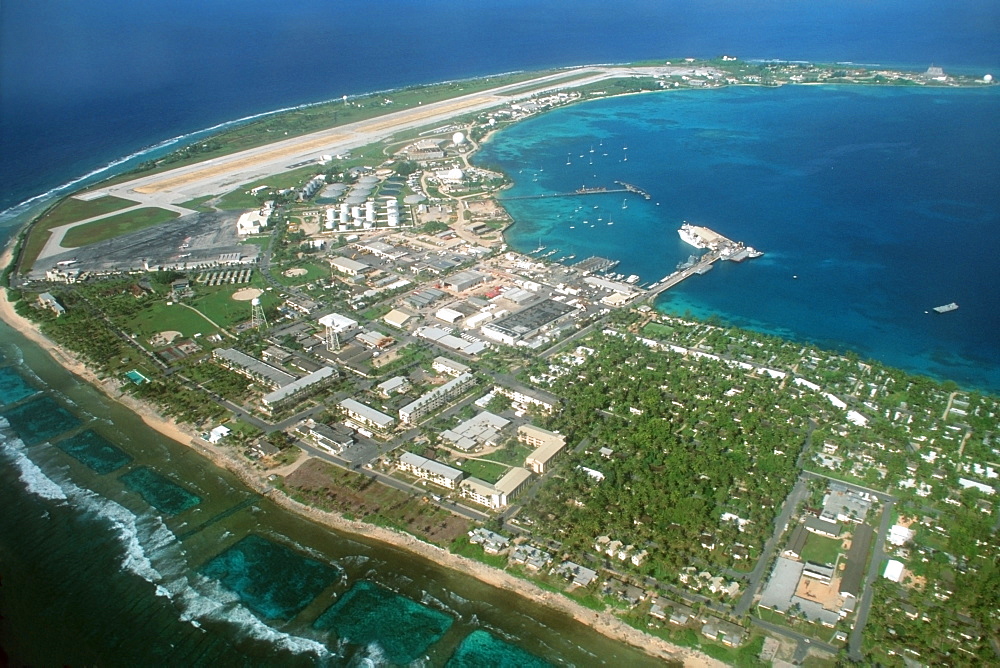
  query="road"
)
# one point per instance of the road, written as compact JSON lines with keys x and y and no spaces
{"x":392,"y":482}
{"x":878,"y":557}
{"x":798,"y":494}
{"x":803,"y":640}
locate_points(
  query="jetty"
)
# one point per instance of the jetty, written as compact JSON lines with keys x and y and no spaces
{"x":719,"y":248}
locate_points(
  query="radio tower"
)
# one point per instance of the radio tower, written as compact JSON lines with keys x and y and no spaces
{"x":257,"y":319}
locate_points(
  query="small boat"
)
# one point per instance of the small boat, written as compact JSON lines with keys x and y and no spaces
{"x":947,"y":308}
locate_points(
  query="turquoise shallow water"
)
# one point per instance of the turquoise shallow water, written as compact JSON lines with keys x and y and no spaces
{"x":271,"y":579}
{"x":872,"y":204}
{"x":95,"y":451}
{"x":403,"y":628}
{"x":40,"y":419}
{"x":174,"y":562}
{"x":159,"y":492}
{"x":483,"y":649}
{"x":13,"y":387}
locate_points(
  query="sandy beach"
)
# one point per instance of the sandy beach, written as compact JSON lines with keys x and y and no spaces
{"x":605,"y":622}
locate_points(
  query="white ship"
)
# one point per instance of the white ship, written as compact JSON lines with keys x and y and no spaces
{"x":689,"y":235}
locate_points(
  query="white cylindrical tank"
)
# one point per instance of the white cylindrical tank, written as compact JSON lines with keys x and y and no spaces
{"x":330,"y":218}
{"x":356,"y":212}
{"x":370,"y":211}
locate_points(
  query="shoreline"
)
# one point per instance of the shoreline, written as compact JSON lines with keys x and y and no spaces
{"x":605,"y":622}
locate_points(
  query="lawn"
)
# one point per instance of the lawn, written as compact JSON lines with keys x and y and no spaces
{"x":657,"y":331}
{"x":159,"y":317}
{"x":116,"y":226}
{"x":313,"y":272}
{"x":242,"y":199}
{"x":197,"y":203}
{"x":513,"y":456}
{"x":218,"y":304}
{"x":70,"y":210}
{"x":820,"y":549}
{"x":488,"y":471}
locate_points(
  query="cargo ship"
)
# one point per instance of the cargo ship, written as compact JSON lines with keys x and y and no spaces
{"x":947,"y":308}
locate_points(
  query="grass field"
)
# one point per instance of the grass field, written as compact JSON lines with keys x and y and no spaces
{"x":242,"y":199}
{"x":196,"y":203}
{"x":488,"y":471}
{"x":218,"y":304}
{"x":512,"y":456}
{"x":70,"y":210}
{"x":657,"y":331}
{"x":314,"y":271}
{"x":159,"y":317}
{"x":116,"y":226}
{"x":820,"y":549}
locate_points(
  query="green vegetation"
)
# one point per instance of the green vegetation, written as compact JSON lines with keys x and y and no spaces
{"x":72,"y":209}
{"x":322,"y":116}
{"x":328,"y":487}
{"x":69,"y":210}
{"x":159,"y":317}
{"x":821,"y":550}
{"x":655,"y":330}
{"x":463,"y":547}
{"x":512,"y":454}
{"x":314,"y":271}
{"x":488,"y":471}
{"x":197,"y":204}
{"x":116,"y":226}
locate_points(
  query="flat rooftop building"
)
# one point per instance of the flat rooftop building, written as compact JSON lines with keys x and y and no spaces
{"x":436,"y":398}
{"x":252,"y":367}
{"x":527,"y":322}
{"x":367,"y":416}
{"x":428,"y":469}
{"x":314,"y":381}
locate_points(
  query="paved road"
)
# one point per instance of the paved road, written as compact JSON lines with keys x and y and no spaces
{"x":878,"y":557}
{"x":803,"y":640}
{"x":799,"y":492}
{"x":392,"y":482}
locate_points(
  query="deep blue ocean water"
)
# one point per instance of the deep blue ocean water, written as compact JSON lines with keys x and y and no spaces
{"x":873,"y":205}
{"x":95,"y":573}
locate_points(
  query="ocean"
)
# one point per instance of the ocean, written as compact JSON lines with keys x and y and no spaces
{"x":119,"y":547}
{"x":872,"y":206}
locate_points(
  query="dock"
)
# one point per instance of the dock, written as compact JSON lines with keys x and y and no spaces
{"x":600,"y":190}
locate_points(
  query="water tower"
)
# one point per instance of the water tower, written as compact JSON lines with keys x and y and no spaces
{"x":257,"y":319}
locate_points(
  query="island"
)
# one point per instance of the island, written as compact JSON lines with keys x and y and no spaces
{"x":337,"y":318}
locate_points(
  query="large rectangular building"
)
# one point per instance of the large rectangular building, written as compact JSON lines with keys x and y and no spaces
{"x":501,"y":493}
{"x":285,"y":394}
{"x":430,"y":470}
{"x":548,"y":444}
{"x":436,"y":398}
{"x":527,"y":322}
{"x":366,"y":416}
{"x":252,"y":368}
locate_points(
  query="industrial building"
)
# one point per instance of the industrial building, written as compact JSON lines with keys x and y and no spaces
{"x":346,"y":265}
{"x":528,"y":322}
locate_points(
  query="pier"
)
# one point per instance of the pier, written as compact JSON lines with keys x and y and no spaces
{"x":700,"y":267}
{"x":576,"y":193}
